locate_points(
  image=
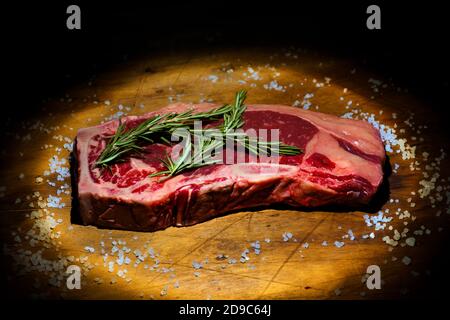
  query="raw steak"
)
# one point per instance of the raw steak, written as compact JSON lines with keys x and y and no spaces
{"x":342,"y":164}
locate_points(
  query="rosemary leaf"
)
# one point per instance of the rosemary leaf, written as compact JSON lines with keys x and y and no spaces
{"x":128,"y":141}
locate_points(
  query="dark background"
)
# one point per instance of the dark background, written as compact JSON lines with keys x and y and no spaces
{"x":44,"y":56}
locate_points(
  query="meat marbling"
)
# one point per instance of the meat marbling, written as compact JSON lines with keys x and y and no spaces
{"x":342,"y":164}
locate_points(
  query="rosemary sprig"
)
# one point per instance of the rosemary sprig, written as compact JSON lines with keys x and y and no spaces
{"x":128,"y":141}
{"x":258,"y":147}
{"x":197,"y":160}
{"x":202,"y":155}
{"x":231,"y":120}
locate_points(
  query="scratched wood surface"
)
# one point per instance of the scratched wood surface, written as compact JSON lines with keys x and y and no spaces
{"x":300,"y":268}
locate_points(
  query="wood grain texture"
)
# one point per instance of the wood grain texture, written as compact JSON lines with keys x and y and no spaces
{"x":284,"y":269}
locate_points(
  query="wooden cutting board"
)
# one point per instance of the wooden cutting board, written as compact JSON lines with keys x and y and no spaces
{"x":197,"y":262}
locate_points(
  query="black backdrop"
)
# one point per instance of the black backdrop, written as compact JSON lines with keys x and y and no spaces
{"x":41,"y":52}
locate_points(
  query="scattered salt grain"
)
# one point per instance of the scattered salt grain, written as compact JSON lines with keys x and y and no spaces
{"x":351,"y":235}
{"x":287,"y":236}
{"x":257,"y":247}
{"x":406,"y":260}
{"x":213,"y":78}
{"x":411,"y":241}
{"x":274,"y":85}
{"x":244,"y":256}
{"x":339,"y":244}
{"x":89,"y":249}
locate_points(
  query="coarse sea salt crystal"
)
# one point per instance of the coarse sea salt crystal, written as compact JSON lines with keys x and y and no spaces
{"x":213,"y":78}
{"x":274,"y":85}
{"x":287,"y":236}
{"x":256,"y":244}
{"x":351,"y":235}
{"x":411,"y":241}
{"x":55,"y":202}
{"x":306,"y":105}
{"x":406,"y":260}
{"x":339,"y":244}
{"x":89,"y":249}
{"x":244,"y":256}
